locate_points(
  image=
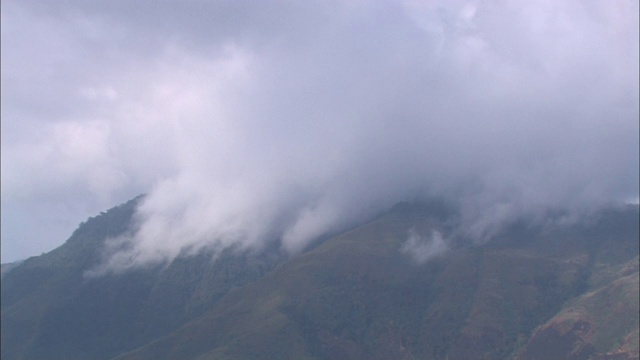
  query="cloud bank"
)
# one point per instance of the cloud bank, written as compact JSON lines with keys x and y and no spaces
{"x":248,"y":123}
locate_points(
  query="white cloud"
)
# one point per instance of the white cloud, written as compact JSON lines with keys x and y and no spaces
{"x":422,"y":249}
{"x":299,"y":118}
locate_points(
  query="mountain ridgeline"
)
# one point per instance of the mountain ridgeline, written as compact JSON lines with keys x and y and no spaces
{"x":542,"y":290}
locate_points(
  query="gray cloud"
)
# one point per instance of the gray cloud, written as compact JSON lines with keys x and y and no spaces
{"x":249,"y":123}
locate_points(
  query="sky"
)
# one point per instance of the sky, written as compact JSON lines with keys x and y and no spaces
{"x":248,"y":122}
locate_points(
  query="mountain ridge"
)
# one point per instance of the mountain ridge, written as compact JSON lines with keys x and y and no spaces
{"x":355,"y":295}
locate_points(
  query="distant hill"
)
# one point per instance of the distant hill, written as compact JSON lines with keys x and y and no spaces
{"x":534,"y":292}
{"x":4,"y":268}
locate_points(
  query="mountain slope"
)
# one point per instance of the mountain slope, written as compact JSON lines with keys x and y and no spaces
{"x":359,"y":295}
{"x":51,"y":311}
{"x":600,"y":324}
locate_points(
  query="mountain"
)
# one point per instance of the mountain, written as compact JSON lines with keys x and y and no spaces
{"x":539,"y":290}
{"x":50,"y":310}
{"x":4,"y":268}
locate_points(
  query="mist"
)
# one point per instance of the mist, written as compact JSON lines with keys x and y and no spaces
{"x":423,"y":248}
{"x":294,"y":120}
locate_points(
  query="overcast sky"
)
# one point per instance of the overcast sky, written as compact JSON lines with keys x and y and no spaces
{"x":248,"y":121}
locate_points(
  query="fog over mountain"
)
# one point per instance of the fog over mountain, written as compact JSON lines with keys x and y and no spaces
{"x":252,"y":122}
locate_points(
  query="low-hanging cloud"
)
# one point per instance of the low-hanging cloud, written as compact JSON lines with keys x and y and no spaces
{"x":423,"y":248}
{"x":299,"y":118}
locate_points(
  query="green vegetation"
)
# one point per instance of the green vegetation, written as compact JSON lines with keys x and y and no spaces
{"x":353,"y":296}
{"x":51,"y":311}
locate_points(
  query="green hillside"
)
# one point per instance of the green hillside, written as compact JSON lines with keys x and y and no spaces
{"x":357,"y":295}
{"x":50,"y":310}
